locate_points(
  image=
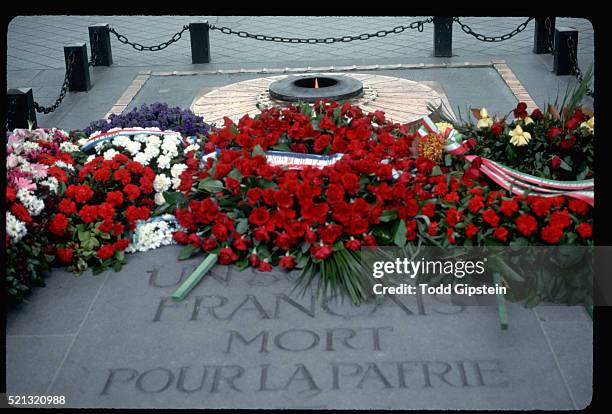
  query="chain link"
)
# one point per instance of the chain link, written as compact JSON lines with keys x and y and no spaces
{"x":175,"y":38}
{"x":549,"y":35}
{"x":417,"y":25}
{"x":483,"y":38}
{"x":60,"y":98}
{"x":94,"y":47}
{"x":574,"y":62}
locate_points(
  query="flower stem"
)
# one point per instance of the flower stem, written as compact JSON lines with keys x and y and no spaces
{"x":195,"y":277}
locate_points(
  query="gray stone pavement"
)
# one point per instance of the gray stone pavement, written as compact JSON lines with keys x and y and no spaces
{"x":243,"y":340}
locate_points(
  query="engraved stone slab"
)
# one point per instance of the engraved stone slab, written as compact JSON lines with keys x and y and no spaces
{"x":243,"y":340}
{"x":403,"y":100}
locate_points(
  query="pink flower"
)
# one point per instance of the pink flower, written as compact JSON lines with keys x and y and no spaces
{"x":21,"y":182}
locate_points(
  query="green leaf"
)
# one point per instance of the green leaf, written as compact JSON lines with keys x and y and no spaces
{"x":210,"y":185}
{"x":174,"y":197}
{"x":84,"y":235}
{"x":388,"y":215}
{"x":257,"y":150}
{"x":186,"y":252}
{"x":399,"y":236}
{"x":436,"y":171}
{"x":242,"y":225}
{"x":565,"y":166}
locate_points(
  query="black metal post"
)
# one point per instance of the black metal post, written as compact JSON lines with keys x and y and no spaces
{"x":200,"y":42}
{"x":566,"y":46}
{"x":542,"y":33}
{"x":100,"y":44}
{"x":443,"y":36}
{"x":20,"y":108}
{"x":79,"y":79}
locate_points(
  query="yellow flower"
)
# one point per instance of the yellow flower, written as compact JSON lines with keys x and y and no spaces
{"x":484,"y":121}
{"x":518,"y":137}
{"x":589,"y":125}
{"x":527,"y":120}
{"x":443,"y":126}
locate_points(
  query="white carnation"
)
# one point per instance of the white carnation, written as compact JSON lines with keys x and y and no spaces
{"x":68,"y":147}
{"x":159,"y":199}
{"x":110,"y":154}
{"x":68,"y":167}
{"x":133,"y":147}
{"x":177,"y":170}
{"x":163,"y":162}
{"x":33,"y":204}
{"x":153,"y":233}
{"x":52,"y":183}
{"x":142,"y":158}
{"x":15,"y":228}
{"x":161,"y":183}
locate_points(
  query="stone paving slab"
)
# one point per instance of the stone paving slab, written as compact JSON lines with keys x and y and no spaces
{"x":243,"y":340}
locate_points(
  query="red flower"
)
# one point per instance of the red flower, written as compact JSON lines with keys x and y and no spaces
{"x":475,"y":204}
{"x":106,"y":211}
{"x":585,"y":230}
{"x":521,"y":110}
{"x":253,"y":195}
{"x":508,"y":207}
{"x":67,"y":207}
{"x":82,"y":193}
{"x":429,"y":209}
{"x":453,"y":216}
{"x":526,"y":224}
{"x":501,"y":234}
{"x":551,"y":234}
{"x":180,"y":237}
{"x":321,"y":252}
{"x":335,"y":194}
{"x":555,"y":162}
{"x":350,"y":182}
{"x":88,"y":213}
{"x":368,"y":240}
{"x":220,"y":232}
{"x":123,"y":175}
{"x":470,"y":230}
{"x":264,"y":266}
{"x":259,"y":216}
{"x":114,"y":198}
{"x":295,"y":228}
{"x":121,"y":244}
{"x":106,"y":226}
{"x":105,"y":252}
{"x":578,"y":206}
{"x":11,"y":194}
{"x":65,"y":254}
{"x":497,"y":128}
{"x":321,"y":142}
{"x":102,"y":174}
{"x":560,"y":219}
{"x":537,"y":114}
{"x":254,"y":260}
{"x":132,"y":191}
{"x":58,"y":224}
{"x":209,"y":244}
{"x":489,"y":217}
{"x":287,"y":262}
{"x":240,"y":243}
{"x":553,"y":132}
{"x":540,"y":206}
{"x":227,"y":256}
{"x":21,"y":212}
{"x":58,"y":173}
{"x":352,"y":245}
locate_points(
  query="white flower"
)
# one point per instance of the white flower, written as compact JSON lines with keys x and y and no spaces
{"x":29,"y":146}
{"x":83,"y":141}
{"x":152,"y":151}
{"x":110,"y":154}
{"x":192,"y":147}
{"x":15,"y":228}
{"x":161,"y":183}
{"x":33,"y":204}
{"x":177,"y":170}
{"x":121,"y":141}
{"x":68,"y":147}
{"x":52,"y":183}
{"x":153,"y":233}
{"x":163,"y":162}
{"x":142,"y":158}
{"x":175,"y":183}
{"x":133,"y":147}
{"x":65,"y":166}
{"x":91,"y":157}
{"x":159,"y":199}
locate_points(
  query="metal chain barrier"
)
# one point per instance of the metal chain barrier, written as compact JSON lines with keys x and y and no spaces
{"x":155,"y":48}
{"x":417,"y":25}
{"x":467,"y":29}
{"x":575,"y":68}
{"x":550,"y":36}
{"x":60,"y":98}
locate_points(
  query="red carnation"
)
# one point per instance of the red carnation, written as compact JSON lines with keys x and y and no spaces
{"x":321,"y":143}
{"x":295,"y":228}
{"x":334,"y":193}
{"x":106,"y":211}
{"x":470,"y":230}
{"x":352,"y":244}
{"x":555,"y":162}
{"x":368,"y":240}
{"x":209,"y":244}
{"x":259,"y":216}
{"x":254,"y":260}
{"x":11,"y":194}
{"x":521,"y":110}
{"x":106,"y":226}
{"x":22,"y":213}
{"x":578,"y":206}
{"x":560,"y":219}
{"x":501,"y":234}
{"x":180,"y":237}
{"x":67,"y":207}
{"x":227,"y":256}
{"x":121,"y":244}
{"x":287,"y":262}
{"x":497,"y":128}
{"x":264,"y":266}
{"x":132,"y":191}
{"x":553,"y":132}
{"x":489,"y":217}
{"x":429,"y":209}
{"x":350,"y":182}
{"x":475,"y":204}
{"x":82,"y":193}
{"x":253,"y":195}
{"x":88,"y":213}
{"x":106,"y":252}
{"x":526,"y":224}
{"x":585,"y":230}
{"x":321,"y":252}
{"x":508,"y":207}
{"x":551,"y":234}
{"x":58,"y":224}
{"x":65,"y":254}
{"x":58,"y":173}
{"x":114,"y":198}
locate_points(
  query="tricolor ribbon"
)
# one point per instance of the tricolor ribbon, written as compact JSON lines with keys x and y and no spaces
{"x":96,"y":139}
{"x":515,"y":181}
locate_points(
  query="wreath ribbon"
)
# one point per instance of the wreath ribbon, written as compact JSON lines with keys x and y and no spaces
{"x":515,"y":181}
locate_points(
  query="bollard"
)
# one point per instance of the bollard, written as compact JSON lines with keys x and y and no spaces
{"x":79,"y":78}
{"x":20,"y":108}
{"x":563,"y":64}
{"x":200,"y":42}
{"x":100,"y":45}
{"x":443,"y":36}
{"x":541,"y":34}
